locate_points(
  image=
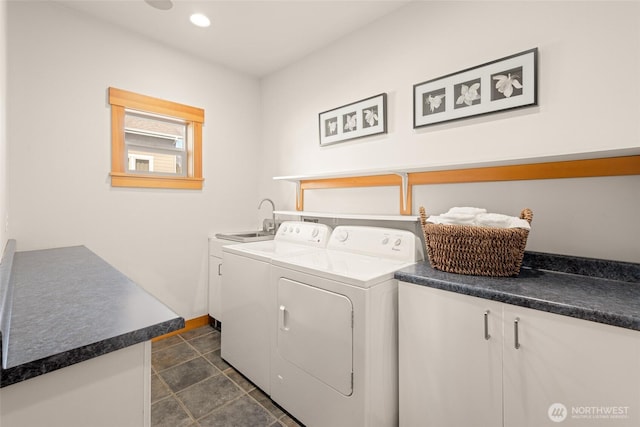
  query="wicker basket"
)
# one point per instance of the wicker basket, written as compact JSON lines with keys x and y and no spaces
{"x":475,"y":250}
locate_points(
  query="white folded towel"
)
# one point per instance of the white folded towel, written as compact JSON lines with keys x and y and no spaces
{"x":519,"y":223}
{"x":478,"y":217}
{"x":493,"y":220}
{"x":466,"y":210}
{"x":460,"y":216}
{"x":442,"y":219}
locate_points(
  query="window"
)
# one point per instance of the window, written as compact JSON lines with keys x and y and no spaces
{"x":154,"y":143}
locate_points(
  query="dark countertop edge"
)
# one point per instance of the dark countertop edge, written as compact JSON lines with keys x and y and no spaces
{"x":578,"y":312}
{"x":6,"y":297}
{"x":58,"y":361}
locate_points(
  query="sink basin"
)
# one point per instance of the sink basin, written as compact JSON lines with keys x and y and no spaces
{"x":246,"y":236}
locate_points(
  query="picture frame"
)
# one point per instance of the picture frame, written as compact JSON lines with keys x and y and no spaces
{"x":504,"y":84}
{"x":356,"y":120}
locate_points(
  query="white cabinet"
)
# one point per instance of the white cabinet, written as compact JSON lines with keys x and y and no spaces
{"x":215,"y":279}
{"x":109,"y":390}
{"x":452,"y":374}
{"x":591,"y":369}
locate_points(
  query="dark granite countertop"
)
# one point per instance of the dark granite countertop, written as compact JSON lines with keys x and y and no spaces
{"x":597,"y":290}
{"x":67,"y":305}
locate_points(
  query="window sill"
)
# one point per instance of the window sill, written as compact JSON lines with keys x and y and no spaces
{"x":149,"y":181}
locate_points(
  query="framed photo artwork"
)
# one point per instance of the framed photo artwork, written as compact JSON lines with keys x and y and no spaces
{"x":503,"y":84}
{"x":356,"y":120}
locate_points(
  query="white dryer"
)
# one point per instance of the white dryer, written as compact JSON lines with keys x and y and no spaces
{"x":335,"y":349}
{"x":246,"y":299}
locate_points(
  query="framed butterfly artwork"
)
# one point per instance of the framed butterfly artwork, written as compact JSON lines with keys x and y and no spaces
{"x":356,"y":120}
{"x":500,"y":85}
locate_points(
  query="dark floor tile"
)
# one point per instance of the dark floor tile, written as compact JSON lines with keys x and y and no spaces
{"x":207,"y":395}
{"x":186,"y":374}
{"x":215,"y":358}
{"x":287,"y":421}
{"x":202,"y":388}
{"x":243,"y":412}
{"x":206,"y":343}
{"x":171,"y":356}
{"x":169,"y":413}
{"x":265,"y":401}
{"x":239,"y":379}
{"x":159,"y":389}
{"x":166,"y":342}
{"x":193,"y":333}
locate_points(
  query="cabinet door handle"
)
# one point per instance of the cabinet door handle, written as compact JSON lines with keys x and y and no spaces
{"x":516,"y":338}
{"x":486,"y":325}
{"x":219,"y":269}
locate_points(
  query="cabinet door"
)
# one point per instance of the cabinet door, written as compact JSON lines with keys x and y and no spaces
{"x":450,"y":372}
{"x":569,"y":370}
{"x":215,"y":287}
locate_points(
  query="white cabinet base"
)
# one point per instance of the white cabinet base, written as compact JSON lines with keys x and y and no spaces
{"x":110,"y":390}
{"x":590,"y":370}
{"x":215,"y":277}
{"x":559,"y":370}
{"x":450,"y":371}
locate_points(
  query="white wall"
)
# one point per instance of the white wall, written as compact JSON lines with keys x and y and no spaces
{"x":3,"y":123}
{"x":583,"y":48}
{"x":60,"y":66}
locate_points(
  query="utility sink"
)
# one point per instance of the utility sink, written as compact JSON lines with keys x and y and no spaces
{"x":246,"y":236}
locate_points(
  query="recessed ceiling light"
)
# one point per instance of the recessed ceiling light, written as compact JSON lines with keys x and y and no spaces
{"x":160,"y":4}
{"x":200,"y":20}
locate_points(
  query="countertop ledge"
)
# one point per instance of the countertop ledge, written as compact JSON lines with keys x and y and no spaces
{"x":600,"y":291}
{"x":67,"y":305}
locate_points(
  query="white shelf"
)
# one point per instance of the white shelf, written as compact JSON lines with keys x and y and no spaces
{"x":408,"y":218}
{"x":407,"y":173}
{"x":401,"y":170}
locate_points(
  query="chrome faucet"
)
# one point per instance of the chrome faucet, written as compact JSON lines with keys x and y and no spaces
{"x":273,"y":213}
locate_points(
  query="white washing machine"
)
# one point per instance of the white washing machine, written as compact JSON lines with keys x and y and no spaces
{"x":335,"y":349}
{"x":248,"y":323}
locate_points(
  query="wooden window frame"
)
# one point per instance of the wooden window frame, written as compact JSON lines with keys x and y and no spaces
{"x":122,"y":100}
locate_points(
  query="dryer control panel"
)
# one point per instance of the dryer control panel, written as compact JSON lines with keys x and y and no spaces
{"x":378,"y":242}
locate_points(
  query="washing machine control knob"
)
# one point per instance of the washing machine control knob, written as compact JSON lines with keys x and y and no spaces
{"x":315,"y":232}
{"x":385,"y":240}
{"x":297,"y":230}
{"x":342,"y":236}
{"x":397,"y":242}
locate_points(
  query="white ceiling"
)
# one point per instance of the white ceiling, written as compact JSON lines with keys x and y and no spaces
{"x":255,"y":37}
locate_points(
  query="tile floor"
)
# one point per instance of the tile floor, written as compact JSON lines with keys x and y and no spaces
{"x":191,"y":386}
